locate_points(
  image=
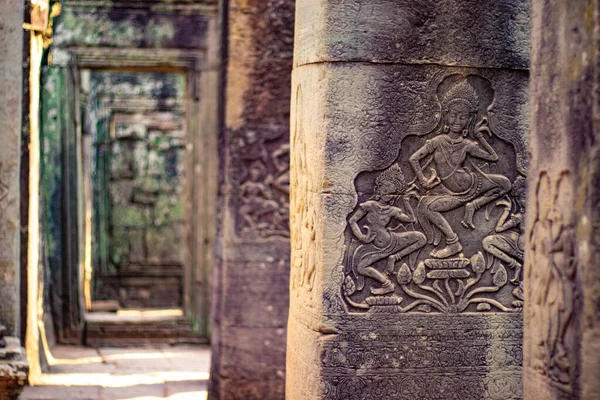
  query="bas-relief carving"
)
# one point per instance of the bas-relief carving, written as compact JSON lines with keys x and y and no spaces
{"x":263,"y":194}
{"x":427,"y":345}
{"x":303,"y":214}
{"x":6,"y":175}
{"x":441,"y":229}
{"x":551,"y":273}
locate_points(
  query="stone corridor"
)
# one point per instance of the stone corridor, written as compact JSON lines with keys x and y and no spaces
{"x":83,"y":373}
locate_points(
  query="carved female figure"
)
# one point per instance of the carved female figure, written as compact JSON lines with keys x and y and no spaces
{"x":256,"y":198}
{"x":378,"y":240}
{"x":508,"y":244}
{"x":452,"y":183}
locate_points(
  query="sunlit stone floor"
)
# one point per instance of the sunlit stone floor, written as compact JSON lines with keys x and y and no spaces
{"x":81,"y":373}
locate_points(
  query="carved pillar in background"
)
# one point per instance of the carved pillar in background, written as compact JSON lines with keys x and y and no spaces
{"x":409,"y":122}
{"x":13,"y":370}
{"x":250,"y":300}
{"x":562,"y":332}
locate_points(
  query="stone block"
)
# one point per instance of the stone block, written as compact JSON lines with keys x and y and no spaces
{"x":261,"y":285}
{"x":121,"y":192}
{"x":132,"y":216}
{"x":492,"y":34}
{"x":14,"y":369}
{"x":134,"y":27}
{"x":164,"y":244}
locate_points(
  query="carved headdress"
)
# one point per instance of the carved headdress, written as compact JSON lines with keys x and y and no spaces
{"x":392,"y":175}
{"x":462,"y":93}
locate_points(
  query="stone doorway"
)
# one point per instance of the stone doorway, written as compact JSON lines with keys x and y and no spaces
{"x":125,"y":242}
{"x":135,"y":193}
{"x":136,"y":154}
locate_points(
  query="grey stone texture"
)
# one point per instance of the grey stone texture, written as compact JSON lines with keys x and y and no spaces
{"x":11,"y":46}
{"x":562,"y":333}
{"x":408,"y":169}
{"x":13,"y":363}
{"x":250,"y":299}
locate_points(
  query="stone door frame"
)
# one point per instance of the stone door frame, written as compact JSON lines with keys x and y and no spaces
{"x":201,"y":156}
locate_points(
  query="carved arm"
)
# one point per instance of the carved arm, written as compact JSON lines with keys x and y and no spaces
{"x":487,"y":152}
{"x":356,"y":229}
{"x":409,"y":217}
{"x":415,"y":162}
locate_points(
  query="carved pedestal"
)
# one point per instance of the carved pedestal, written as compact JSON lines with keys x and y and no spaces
{"x":14,"y":367}
{"x":562,"y":332}
{"x":407,"y":208}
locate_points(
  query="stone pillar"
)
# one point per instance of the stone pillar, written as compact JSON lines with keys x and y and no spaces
{"x":13,"y":370}
{"x":408,"y":166}
{"x":250,"y":301}
{"x":562,"y":331}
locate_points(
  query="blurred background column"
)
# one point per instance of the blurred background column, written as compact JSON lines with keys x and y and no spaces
{"x":13,"y":368}
{"x":562,"y":330}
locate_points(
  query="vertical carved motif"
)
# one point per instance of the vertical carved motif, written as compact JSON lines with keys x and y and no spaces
{"x":551,"y":270}
{"x":264,"y":190}
{"x":302,"y":216}
{"x":5,"y":175}
{"x":441,"y":229}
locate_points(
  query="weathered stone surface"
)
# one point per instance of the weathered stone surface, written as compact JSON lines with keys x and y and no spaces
{"x":115,"y":23}
{"x":251,"y":278}
{"x":562,"y":332}
{"x":472,"y":33}
{"x":407,"y":217}
{"x":11,"y":42}
{"x":13,"y":363}
{"x":14,"y":368}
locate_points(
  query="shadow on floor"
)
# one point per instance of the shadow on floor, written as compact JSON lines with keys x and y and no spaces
{"x":82,"y":373}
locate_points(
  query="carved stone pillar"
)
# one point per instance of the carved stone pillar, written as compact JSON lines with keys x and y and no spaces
{"x":250,"y":301}
{"x":13,"y":370}
{"x":562,"y":331}
{"x":408,"y":167}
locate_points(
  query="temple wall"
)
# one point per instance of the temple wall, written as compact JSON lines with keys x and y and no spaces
{"x":250,"y":300}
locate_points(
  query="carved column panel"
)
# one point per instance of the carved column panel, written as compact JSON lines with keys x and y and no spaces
{"x":408,"y":172}
{"x":13,"y":368}
{"x":250,"y":301}
{"x":562,"y":346}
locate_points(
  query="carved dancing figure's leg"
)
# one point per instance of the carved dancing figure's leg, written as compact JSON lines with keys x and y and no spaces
{"x":443,"y":204}
{"x":497,"y":247}
{"x":492,"y":187}
{"x":365,"y":268}
{"x":453,"y":245}
{"x":414,"y":242}
{"x":246,"y":214}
